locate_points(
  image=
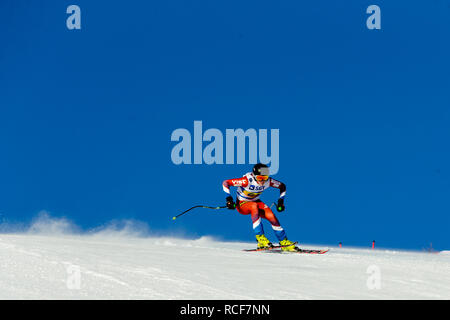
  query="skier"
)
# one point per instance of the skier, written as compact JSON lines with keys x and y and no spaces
{"x":250,"y":187}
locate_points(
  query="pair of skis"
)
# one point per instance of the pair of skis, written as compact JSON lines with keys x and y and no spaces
{"x":278,"y":249}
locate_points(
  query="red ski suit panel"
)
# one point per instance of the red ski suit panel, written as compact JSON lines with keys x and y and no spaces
{"x":257,"y":209}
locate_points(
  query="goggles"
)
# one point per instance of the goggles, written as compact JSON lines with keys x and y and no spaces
{"x":262,"y":178}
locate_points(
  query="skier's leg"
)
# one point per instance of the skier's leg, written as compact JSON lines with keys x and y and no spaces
{"x":279,"y":231}
{"x":252,"y":209}
{"x":270,"y":216}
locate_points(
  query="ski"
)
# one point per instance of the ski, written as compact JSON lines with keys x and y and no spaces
{"x":268,"y":248}
{"x":302,"y":251}
{"x":277,"y":249}
{"x":311,"y":251}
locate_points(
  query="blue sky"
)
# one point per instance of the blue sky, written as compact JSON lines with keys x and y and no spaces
{"x":86,"y":115}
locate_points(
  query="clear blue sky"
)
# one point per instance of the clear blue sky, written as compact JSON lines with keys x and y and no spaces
{"x":86,"y":115}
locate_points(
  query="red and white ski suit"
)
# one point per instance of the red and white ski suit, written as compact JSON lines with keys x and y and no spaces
{"x":248,"y":202}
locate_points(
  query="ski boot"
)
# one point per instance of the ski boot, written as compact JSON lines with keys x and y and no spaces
{"x":288,"y":245}
{"x":263,"y":242}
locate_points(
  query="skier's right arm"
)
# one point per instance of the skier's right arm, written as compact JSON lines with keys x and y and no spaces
{"x":233,"y":183}
{"x":240,"y":182}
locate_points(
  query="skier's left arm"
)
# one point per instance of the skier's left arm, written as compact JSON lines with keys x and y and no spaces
{"x":279,"y":185}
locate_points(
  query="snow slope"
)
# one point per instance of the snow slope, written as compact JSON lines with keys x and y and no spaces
{"x":103,"y":266}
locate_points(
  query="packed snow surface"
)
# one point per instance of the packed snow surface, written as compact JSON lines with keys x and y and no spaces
{"x":125,"y":267}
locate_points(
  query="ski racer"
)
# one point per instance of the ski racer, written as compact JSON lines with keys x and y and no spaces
{"x":249,"y":189}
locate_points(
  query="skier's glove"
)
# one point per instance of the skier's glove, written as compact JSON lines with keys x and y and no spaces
{"x":280,"y":205}
{"x":230,"y":203}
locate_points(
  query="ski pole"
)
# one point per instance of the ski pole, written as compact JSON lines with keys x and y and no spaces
{"x":200,"y":206}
